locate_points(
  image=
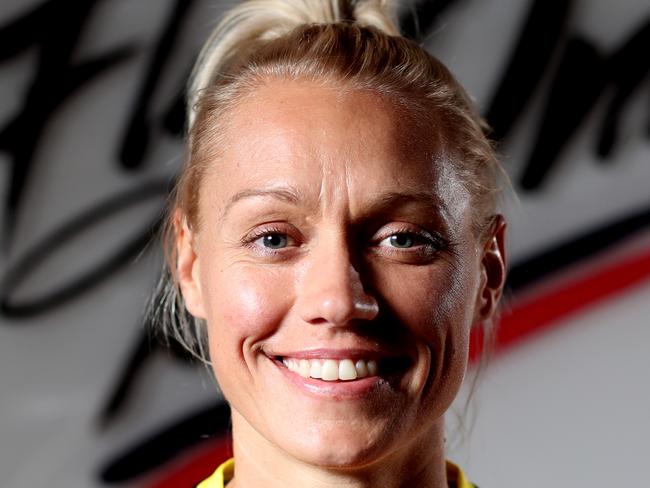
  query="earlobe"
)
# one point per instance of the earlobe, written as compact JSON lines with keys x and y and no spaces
{"x":493,"y":268}
{"x":187,"y":266}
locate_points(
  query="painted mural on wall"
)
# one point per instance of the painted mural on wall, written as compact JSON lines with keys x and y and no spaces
{"x":571,"y":72}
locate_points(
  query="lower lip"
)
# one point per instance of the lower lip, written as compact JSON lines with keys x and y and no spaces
{"x":333,"y":389}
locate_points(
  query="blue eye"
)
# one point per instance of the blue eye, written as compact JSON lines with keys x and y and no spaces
{"x":410,"y":240}
{"x":402,"y":240}
{"x":274,"y":241}
{"x":408,"y":244}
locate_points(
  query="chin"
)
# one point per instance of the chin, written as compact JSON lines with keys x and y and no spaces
{"x":339,"y":447}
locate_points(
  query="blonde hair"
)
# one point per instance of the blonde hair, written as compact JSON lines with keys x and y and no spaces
{"x":353,"y":44}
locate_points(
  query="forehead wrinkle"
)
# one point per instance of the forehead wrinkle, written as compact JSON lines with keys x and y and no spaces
{"x":335,"y":183}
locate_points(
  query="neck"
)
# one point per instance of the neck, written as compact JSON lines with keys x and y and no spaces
{"x":262,"y":463}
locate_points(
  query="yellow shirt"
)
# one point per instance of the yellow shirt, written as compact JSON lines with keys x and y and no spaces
{"x":226,"y":471}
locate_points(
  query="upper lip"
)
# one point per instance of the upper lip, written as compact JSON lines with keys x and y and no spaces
{"x":328,"y":353}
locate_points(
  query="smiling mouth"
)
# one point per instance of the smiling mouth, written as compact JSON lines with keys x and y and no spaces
{"x":343,"y":369}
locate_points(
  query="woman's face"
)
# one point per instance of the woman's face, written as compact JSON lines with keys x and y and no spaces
{"x":335,"y":241}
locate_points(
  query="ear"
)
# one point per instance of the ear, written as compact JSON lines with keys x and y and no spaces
{"x":187,"y":267}
{"x":493,"y":271}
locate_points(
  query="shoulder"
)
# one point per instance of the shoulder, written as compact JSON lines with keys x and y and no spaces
{"x":456,"y":477}
{"x":220,"y":477}
{"x":225,"y":472}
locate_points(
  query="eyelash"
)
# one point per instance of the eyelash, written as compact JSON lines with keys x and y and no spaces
{"x":425,"y":242}
{"x":250,"y":239}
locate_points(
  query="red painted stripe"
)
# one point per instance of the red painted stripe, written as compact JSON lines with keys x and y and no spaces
{"x":523,"y":319}
{"x":548,"y":309}
{"x":197,"y":467}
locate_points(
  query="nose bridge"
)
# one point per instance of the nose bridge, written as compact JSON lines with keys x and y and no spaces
{"x":332,"y":290}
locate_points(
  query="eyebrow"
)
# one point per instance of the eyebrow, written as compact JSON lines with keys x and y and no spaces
{"x":393,"y":199}
{"x":385,"y":201}
{"x":286,"y":194}
{"x":417,"y":200}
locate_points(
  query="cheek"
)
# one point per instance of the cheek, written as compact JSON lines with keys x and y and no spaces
{"x":243,"y":306}
{"x":436,"y":303}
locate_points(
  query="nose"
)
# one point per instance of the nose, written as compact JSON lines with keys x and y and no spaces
{"x":331,"y":290}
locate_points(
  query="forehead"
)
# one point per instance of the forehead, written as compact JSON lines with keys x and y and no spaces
{"x":328,"y":142}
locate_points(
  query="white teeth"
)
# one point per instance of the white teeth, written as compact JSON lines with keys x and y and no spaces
{"x":304,"y":368}
{"x":372,"y":367}
{"x":347,"y":371}
{"x":315,"y":369}
{"x":362,"y":370}
{"x":332,"y":369}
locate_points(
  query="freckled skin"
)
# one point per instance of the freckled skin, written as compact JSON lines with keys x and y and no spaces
{"x":338,"y":283}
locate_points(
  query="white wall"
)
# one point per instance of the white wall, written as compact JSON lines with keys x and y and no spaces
{"x":567,"y":407}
